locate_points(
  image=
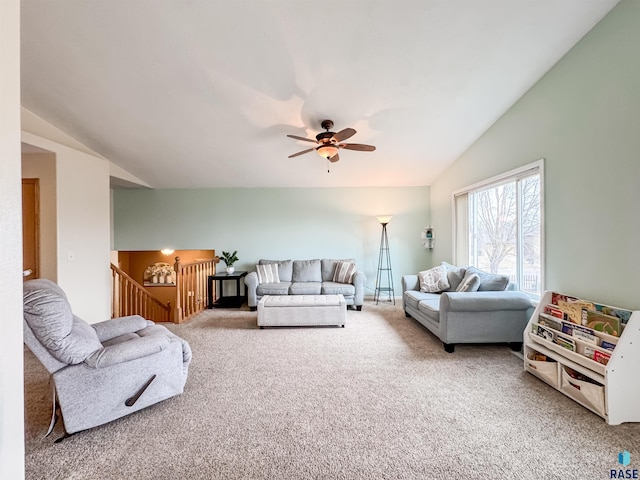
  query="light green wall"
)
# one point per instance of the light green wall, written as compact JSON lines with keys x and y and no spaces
{"x":277,"y":223}
{"x":583,"y":118}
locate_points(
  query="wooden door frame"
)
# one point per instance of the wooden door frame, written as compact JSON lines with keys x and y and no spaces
{"x":36,"y":188}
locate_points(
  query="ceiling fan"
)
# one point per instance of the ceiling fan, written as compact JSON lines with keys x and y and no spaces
{"x":329,"y":142}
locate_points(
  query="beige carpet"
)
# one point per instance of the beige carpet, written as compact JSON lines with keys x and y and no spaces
{"x":379,"y":399}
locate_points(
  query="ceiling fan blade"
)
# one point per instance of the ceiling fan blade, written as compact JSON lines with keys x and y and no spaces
{"x":302,"y":138}
{"x":344,"y":134}
{"x":334,"y":159}
{"x":357,"y":146}
{"x":302,"y":152}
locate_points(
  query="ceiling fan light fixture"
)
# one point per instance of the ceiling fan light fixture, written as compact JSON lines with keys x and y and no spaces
{"x":327,"y":151}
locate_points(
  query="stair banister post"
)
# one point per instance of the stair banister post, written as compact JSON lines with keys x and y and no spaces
{"x":177,"y":313}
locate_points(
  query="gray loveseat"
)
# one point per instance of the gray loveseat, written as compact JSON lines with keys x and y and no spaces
{"x":481,"y":316}
{"x":306,"y":277}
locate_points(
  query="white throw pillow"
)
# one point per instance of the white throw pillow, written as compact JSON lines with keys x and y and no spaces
{"x":344,"y":272}
{"x":434,"y":280}
{"x":267,"y":273}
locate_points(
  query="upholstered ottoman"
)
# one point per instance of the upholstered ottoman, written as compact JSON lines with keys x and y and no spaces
{"x":301,"y":310}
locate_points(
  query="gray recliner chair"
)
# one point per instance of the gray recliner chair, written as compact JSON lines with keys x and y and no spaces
{"x":103,"y":371}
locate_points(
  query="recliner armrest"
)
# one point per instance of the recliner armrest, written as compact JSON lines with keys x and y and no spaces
{"x":126,"y":351}
{"x":119,"y":326}
{"x":484,"y":301}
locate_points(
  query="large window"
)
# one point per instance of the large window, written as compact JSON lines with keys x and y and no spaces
{"x":498,"y":227}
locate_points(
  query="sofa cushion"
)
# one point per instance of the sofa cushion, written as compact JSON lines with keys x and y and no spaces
{"x":281,"y":288}
{"x":306,"y":288}
{"x":285,"y":268}
{"x":470,"y":283}
{"x":455,"y":275}
{"x":490,"y":281}
{"x":334,"y":288}
{"x":344,"y":272}
{"x":414,"y":297}
{"x":433,"y":280}
{"x":328,"y":267}
{"x":306,"y":271}
{"x":431,"y":308}
{"x":268,"y":273}
{"x":47,"y":311}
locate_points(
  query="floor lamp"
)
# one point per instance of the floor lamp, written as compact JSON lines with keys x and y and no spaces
{"x":384,"y":264}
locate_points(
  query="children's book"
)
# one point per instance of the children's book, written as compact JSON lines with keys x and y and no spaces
{"x":567,"y":328}
{"x":566,"y":342}
{"x":554,"y":311}
{"x":545,"y":333}
{"x":620,"y":313}
{"x":549,"y":321}
{"x":601,"y":357}
{"x":573,"y":308}
{"x":588,"y":351}
{"x":601,"y":322}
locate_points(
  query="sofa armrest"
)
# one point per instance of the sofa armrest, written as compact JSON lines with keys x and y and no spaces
{"x":484,"y":301}
{"x":119,"y":326}
{"x":410,"y":282}
{"x":126,"y":351}
{"x":251,"y":287}
{"x":358,"y":281}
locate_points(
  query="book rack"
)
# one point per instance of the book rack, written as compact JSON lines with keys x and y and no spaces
{"x":607,"y":388}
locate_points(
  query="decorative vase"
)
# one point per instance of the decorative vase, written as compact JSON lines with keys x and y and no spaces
{"x":168,"y":279}
{"x":154,"y":279}
{"x":161,"y":279}
{"x":230,"y":269}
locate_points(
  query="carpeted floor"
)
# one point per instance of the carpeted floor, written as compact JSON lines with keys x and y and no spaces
{"x":379,"y":399}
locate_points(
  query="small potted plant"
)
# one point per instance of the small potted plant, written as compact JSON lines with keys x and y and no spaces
{"x":230,"y":259}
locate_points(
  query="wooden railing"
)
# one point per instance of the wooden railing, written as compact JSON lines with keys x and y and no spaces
{"x":191,"y":287}
{"x":131,"y":298}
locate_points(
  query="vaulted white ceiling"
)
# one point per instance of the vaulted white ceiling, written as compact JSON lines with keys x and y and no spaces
{"x":202,"y":93}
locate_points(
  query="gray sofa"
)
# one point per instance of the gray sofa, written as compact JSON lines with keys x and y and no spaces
{"x":481,"y":316}
{"x":306,"y":277}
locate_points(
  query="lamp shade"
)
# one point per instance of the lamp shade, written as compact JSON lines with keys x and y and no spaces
{"x":327,"y":151}
{"x":384,"y":219}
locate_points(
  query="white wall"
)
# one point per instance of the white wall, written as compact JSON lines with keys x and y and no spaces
{"x":43,"y":167}
{"x":11,"y":364}
{"x":279,"y":223}
{"x":583,"y":118}
{"x":83,"y":228}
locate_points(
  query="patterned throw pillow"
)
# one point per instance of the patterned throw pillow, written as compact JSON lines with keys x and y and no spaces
{"x":434,"y":280}
{"x":344,"y":272}
{"x":267,"y":273}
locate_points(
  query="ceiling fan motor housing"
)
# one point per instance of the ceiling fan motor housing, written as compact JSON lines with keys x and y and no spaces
{"x":325,"y":137}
